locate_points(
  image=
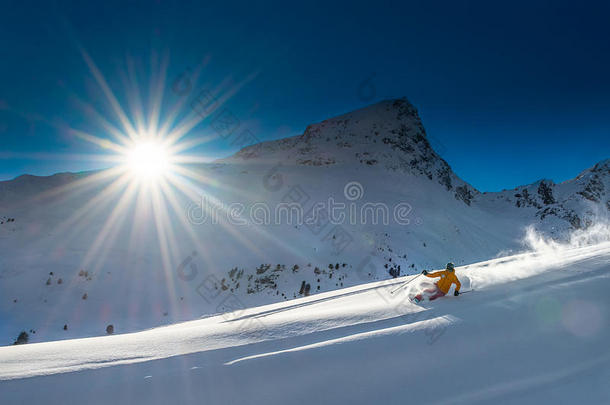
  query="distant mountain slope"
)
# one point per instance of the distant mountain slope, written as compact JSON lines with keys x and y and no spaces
{"x":581,"y":202}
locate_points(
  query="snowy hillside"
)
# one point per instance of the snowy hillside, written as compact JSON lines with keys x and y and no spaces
{"x":84,"y":251}
{"x":540,"y":319}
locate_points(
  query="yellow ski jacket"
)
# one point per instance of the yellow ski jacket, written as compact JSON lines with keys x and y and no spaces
{"x":447,"y":278}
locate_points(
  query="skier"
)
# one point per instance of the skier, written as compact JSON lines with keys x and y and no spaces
{"x":442,"y":286}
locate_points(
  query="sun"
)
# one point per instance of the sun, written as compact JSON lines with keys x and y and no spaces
{"x":148,"y":160}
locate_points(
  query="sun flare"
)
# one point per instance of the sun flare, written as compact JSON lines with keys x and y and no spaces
{"x":148,"y":160}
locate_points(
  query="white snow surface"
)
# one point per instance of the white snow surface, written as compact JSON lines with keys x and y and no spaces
{"x":534,"y":330}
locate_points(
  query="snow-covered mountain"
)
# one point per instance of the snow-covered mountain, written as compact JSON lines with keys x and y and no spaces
{"x":581,"y":202}
{"x":83,"y":251}
{"x":389,"y":135}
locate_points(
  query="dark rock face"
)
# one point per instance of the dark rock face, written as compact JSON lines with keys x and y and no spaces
{"x":463,"y":193}
{"x":593,"y":189}
{"x":546,"y":193}
{"x":524,"y":199}
{"x":388,"y":134}
{"x":602,"y":168}
{"x":580,"y":201}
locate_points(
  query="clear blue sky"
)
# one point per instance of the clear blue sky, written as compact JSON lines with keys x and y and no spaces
{"x":509,"y":93}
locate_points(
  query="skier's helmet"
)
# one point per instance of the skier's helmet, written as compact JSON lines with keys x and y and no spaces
{"x":450,"y":266}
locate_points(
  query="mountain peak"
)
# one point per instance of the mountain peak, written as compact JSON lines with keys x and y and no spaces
{"x":388,"y":135}
{"x":388,"y":127}
{"x":395,"y":116}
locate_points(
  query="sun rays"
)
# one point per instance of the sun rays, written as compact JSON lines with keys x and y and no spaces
{"x":132,"y":217}
{"x":153,"y":147}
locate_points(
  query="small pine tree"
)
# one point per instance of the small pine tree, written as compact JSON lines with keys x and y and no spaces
{"x":23,"y":338}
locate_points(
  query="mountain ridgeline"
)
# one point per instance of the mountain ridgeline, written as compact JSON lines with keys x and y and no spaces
{"x":391,"y":135}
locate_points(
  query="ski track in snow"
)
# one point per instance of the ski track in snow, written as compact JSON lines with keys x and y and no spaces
{"x":535,"y":330}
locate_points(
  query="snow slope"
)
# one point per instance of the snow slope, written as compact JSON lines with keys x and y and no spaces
{"x":119,"y":264}
{"x":535,"y":330}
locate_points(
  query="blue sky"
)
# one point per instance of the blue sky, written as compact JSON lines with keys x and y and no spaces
{"x":509,"y":93}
